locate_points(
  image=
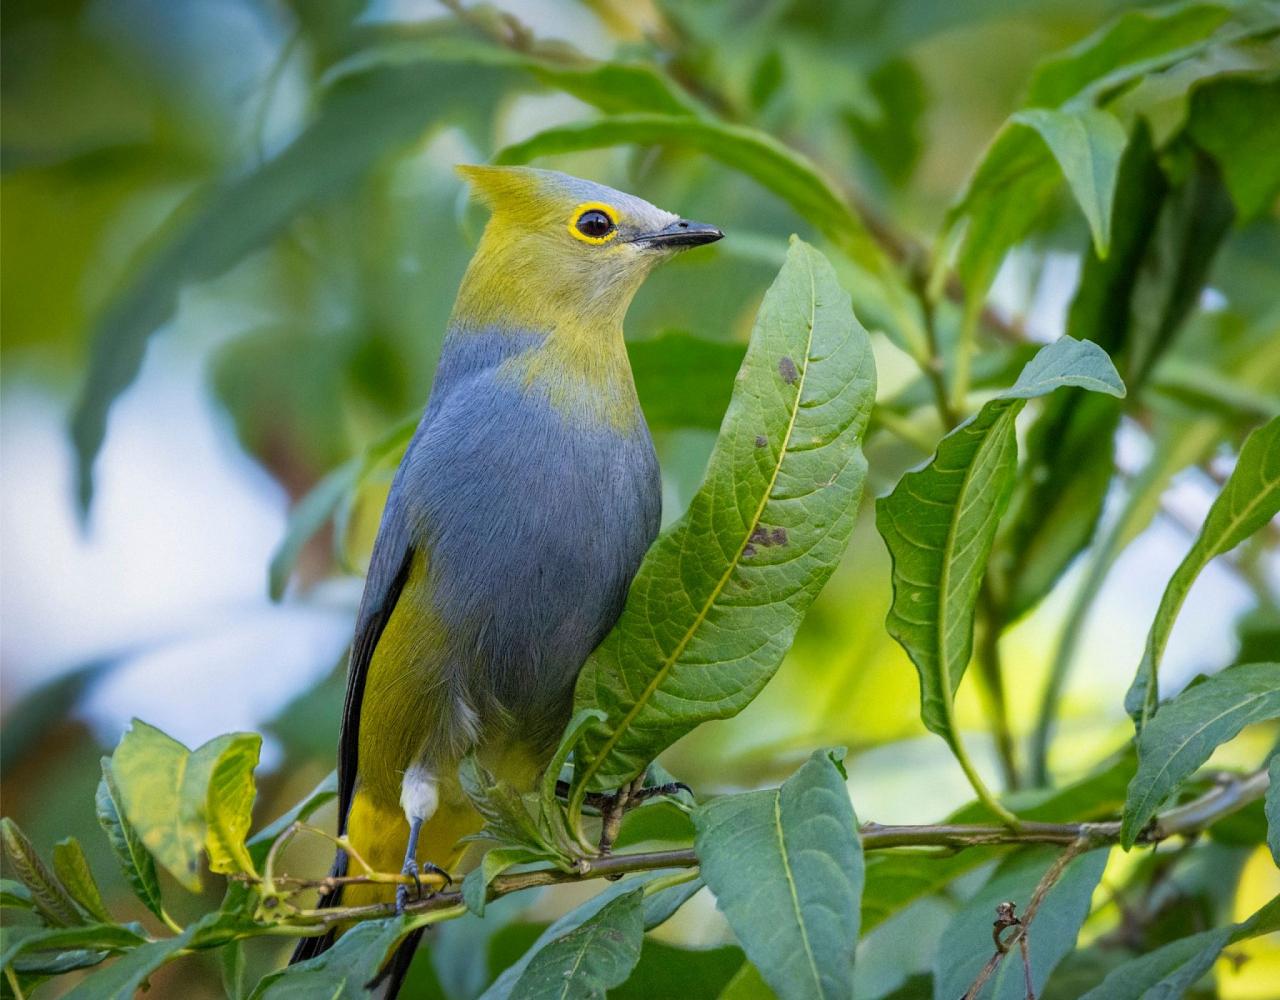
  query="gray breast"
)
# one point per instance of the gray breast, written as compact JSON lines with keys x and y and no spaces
{"x":535,"y":526}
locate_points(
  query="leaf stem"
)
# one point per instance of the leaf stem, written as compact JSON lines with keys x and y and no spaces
{"x":991,"y":674}
{"x":980,"y":788}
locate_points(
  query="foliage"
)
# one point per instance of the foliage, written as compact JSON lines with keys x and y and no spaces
{"x":1001,"y":462}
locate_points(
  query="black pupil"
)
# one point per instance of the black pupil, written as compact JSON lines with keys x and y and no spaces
{"x":594,"y":223}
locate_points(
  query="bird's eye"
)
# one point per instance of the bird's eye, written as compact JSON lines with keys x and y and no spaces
{"x":594,"y":224}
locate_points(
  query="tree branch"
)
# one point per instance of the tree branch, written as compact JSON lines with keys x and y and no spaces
{"x":1225,"y":798}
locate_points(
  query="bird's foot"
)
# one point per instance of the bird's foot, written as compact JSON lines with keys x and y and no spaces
{"x":603,"y":800}
{"x":415,"y":871}
{"x":410,"y":870}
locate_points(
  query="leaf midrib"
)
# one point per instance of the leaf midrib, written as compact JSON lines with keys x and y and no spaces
{"x":944,"y":589}
{"x":795,"y":896}
{"x":669,"y":662}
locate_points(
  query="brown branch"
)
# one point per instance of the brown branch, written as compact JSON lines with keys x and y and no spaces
{"x":1226,"y":797}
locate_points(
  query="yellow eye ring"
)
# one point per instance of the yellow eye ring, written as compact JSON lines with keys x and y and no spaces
{"x":586,"y":215}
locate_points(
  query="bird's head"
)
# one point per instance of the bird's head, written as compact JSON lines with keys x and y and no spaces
{"x":558,"y":249}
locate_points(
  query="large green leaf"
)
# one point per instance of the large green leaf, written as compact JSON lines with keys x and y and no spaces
{"x":1174,"y":968}
{"x":786,"y":868}
{"x":592,"y":958}
{"x":1135,"y":41}
{"x":48,"y":895}
{"x":1019,"y":173}
{"x":939,"y":523}
{"x":659,"y":904}
{"x":1187,"y":730}
{"x":169,"y":796}
{"x":966,"y":944}
{"x":23,"y":940}
{"x":1250,"y":498}
{"x":72,"y":869}
{"x":720,"y":595}
{"x":135,"y":861}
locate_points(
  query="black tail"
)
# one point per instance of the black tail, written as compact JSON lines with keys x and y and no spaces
{"x":313,"y":946}
{"x":393,"y":974}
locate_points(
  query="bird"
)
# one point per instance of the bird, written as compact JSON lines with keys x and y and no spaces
{"x":514,"y":526}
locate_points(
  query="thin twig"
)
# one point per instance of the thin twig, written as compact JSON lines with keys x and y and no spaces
{"x":1006,"y":917}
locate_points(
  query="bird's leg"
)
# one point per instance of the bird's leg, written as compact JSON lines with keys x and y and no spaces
{"x":419,"y":799}
{"x":410,"y":867}
{"x":413,"y":870}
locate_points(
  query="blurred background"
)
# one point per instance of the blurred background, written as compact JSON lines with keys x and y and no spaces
{"x":302,"y":355}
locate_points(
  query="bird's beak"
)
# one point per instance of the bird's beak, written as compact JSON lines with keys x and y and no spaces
{"x":680,"y":234}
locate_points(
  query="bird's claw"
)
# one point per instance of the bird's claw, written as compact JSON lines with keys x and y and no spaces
{"x":415,"y":871}
{"x":410,"y":870}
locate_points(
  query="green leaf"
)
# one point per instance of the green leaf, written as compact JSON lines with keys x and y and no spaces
{"x":1250,"y":498}
{"x":260,"y":843}
{"x":786,"y":868}
{"x":595,"y":956}
{"x":721,"y":593}
{"x":122,"y":979}
{"x":1088,"y":145}
{"x":231,"y":968}
{"x":72,"y":869}
{"x":966,"y":943}
{"x":229,"y":805}
{"x":1017,"y":176}
{"x":52,"y":901}
{"x":359,"y":121}
{"x":137,"y":864}
{"x":15,"y":896}
{"x":167,"y":790}
{"x":511,"y":818}
{"x":1272,"y":807}
{"x":1172,"y":969}
{"x":659,"y":905}
{"x":20,"y":941}
{"x":475,"y":886}
{"x":684,"y":381}
{"x":610,"y":86}
{"x":1187,"y":730}
{"x":1134,"y":41}
{"x":896,"y":880}
{"x":1224,"y":120}
{"x":341,"y":972}
{"x":939,"y":523}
